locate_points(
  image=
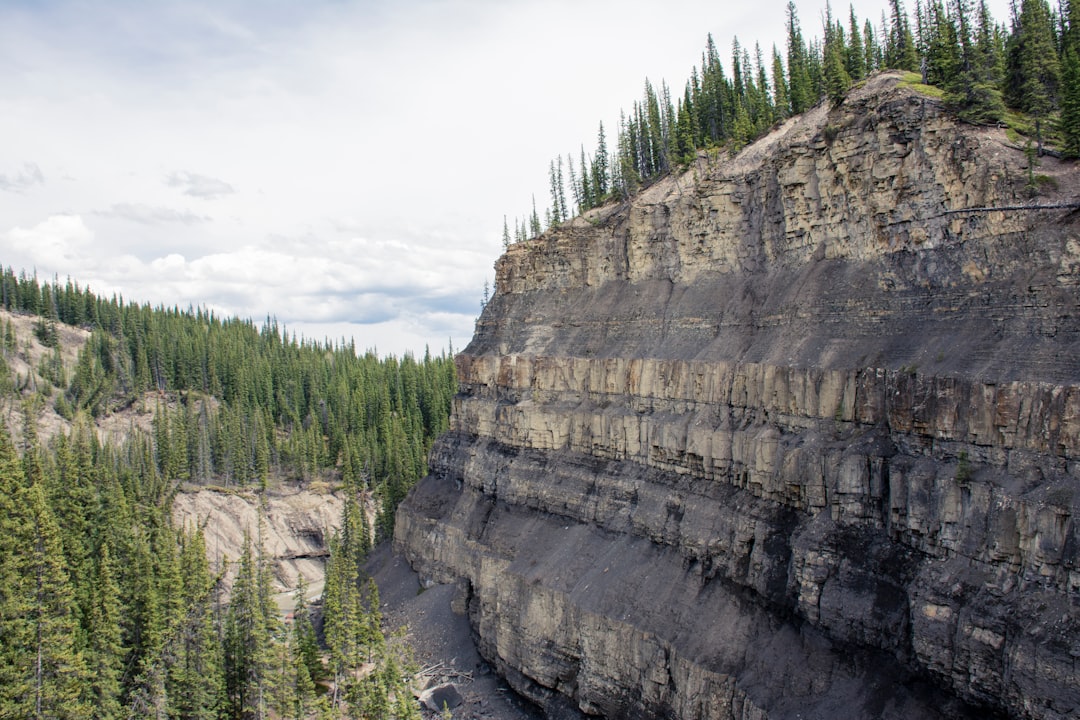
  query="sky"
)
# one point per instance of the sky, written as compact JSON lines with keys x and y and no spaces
{"x":341,"y":166}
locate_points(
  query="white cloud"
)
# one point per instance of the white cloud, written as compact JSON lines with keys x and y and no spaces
{"x":58,"y":243}
{"x":200,"y":186}
{"x":382,"y":292}
{"x":152,"y":215}
{"x":27,"y":176}
{"x":360,"y":156}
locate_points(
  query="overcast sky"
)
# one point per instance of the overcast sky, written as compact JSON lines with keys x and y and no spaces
{"x":342,"y":166}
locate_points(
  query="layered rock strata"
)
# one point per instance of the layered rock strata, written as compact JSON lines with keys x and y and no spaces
{"x":792,"y":434}
{"x":292,"y":526}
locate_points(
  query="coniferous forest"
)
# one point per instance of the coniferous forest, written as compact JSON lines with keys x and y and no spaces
{"x":106,"y":609}
{"x":109,"y":611}
{"x":1023,"y":73}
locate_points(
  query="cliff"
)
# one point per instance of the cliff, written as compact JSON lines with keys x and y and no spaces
{"x":792,"y":434}
{"x":294,"y":525}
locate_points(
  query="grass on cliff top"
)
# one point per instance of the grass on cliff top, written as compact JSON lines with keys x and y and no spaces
{"x":914,"y":81}
{"x":1019,"y":127}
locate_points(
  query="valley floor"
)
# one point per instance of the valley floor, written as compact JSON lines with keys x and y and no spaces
{"x":442,"y":640}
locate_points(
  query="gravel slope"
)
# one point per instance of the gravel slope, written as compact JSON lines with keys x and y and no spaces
{"x":442,"y":640}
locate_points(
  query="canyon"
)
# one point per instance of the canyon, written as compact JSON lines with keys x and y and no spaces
{"x":789,"y":433}
{"x":290,"y":524}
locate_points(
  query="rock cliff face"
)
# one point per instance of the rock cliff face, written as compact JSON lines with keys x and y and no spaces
{"x":794,"y":434}
{"x":295,"y":526}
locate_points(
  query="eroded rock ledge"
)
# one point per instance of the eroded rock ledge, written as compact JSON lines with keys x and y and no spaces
{"x":293,"y":525}
{"x":795,"y":434}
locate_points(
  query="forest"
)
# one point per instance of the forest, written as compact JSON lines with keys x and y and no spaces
{"x":109,"y":611}
{"x":1024,"y":75}
{"x":106,"y":609}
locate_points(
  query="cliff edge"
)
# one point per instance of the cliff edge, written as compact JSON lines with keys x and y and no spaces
{"x":791,"y":434}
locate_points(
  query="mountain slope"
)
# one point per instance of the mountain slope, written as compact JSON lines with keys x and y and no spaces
{"x":792,"y":434}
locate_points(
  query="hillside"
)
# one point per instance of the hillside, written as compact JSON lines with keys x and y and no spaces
{"x":168,"y":481}
{"x":790,"y":434}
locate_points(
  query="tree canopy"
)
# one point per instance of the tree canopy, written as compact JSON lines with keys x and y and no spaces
{"x":106,"y":609}
{"x":982,"y":66}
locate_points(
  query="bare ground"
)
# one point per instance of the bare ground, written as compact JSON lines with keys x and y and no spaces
{"x":442,"y":641}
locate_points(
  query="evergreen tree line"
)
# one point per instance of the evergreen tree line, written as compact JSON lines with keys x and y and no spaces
{"x":982,"y":67}
{"x":253,"y":401}
{"x":108,"y":611}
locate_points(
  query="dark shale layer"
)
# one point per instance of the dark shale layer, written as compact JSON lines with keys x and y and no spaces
{"x":792,"y":434}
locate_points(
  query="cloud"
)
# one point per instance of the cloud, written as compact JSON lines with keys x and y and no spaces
{"x":337,"y":200}
{"x":26,"y":178}
{"x":152,"y":215}
{"x":59,"y":242}
{"x":200,"y":186}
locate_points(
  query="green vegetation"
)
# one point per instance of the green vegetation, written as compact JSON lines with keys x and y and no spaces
{"x":1026,"y":75}
{"x":914,"y":81}
{"x":106,"y":609}
{"x":963,"y":468}
{"x":253,"y":402}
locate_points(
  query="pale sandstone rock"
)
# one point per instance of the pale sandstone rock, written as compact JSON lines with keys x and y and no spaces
{"x":294,"y":527}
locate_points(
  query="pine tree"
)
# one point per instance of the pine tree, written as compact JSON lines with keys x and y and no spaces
{"x":900,"y":52}
{"x":781,"y":102}
{"x":106,"y":650}
{"x":1070,"y":83}
{"x":1033,"y":68}
{"x":343,"y":616}
{"x":246,"y":642}
{"x":971,"y":76}
{"x":196,"y":672}
{"x":761,"y":107}
{"x":800,"y":87}
{"x":684,"y":136}
{"x":534,"y":221}
{"x":59,"y":673}
{"x":941,"y":47}
{"x":15,"y":630}
{"x":837,"y":79}
{"x":575,"y":188}
{"x":600,"y":166}
{"x":872,"y":48}
{"x":42,"y":673}
{"x":855,"y":58}
{"x":305,"y":642}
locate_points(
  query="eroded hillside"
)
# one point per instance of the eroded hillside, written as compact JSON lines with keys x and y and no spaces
{"x":293,"y":520}
{"x":793,"y":434}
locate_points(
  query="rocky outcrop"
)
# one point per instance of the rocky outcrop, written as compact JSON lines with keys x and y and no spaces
{"x":294,"y":526}
{"x":793,"y":434}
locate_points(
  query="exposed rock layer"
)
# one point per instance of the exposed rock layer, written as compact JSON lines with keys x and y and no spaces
{"x":794,"y":434}
{"x":293,"y":526}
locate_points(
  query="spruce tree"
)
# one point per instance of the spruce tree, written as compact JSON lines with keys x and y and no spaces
{"x":1033,"y":69}
{"x":781,"y":101}
{"x":800,"y":87}
{"x":246,"y":641}
{"x":900,"y":53}
{"x":1070,"y":84}
{"x":837,"y":79}
{"x":106,"y":651}
{"x":600,"y":166}
{"x":59,"y":673}
{"x":855,"y":59}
